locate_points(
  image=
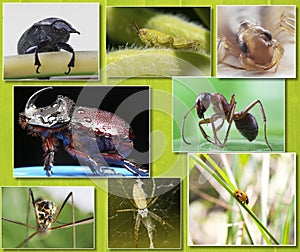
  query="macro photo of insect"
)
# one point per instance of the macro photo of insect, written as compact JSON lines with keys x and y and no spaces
{"x":144,"y":213}
{"x":51,"y":41}
{"x":48,"y":217}
{"x":242,"y":199}
{"x":256,"y":41}
{"x":81,"y":132}
{"x":211,"y":114}
{"x":162,"y":41}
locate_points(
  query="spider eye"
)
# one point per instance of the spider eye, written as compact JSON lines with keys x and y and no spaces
{"x":268,"y":35}
{"x":243,"y":47}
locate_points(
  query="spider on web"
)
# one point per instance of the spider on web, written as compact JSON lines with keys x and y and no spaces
{"x":145,"y":197}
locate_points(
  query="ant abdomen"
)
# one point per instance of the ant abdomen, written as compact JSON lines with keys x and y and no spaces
{"x":247,"y":126}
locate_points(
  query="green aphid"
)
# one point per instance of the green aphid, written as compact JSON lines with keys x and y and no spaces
{"x":153,"y":38}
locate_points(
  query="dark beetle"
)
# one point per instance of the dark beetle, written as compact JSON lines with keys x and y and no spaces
{"x":47,"y":35}
{"x":93,"y":136}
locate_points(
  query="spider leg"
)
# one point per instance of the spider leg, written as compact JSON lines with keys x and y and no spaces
{"x":136,"y":230}
{"x":28,"y":238}
{"x":160,"y":220}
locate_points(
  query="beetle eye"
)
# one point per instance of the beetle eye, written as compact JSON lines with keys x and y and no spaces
{"x":268,"y":35}
{"x":243,"y":47}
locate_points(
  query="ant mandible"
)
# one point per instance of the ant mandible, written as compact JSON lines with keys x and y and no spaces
{"x":244,"y":121}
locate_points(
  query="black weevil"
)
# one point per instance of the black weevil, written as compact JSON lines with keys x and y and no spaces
{"x":47,"y":35}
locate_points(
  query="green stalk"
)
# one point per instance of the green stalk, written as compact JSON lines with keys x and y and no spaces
{"x":156,"y":62}
{"x":52,"y":64}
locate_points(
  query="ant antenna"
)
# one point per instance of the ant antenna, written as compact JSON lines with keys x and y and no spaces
{"x":183,"y":122}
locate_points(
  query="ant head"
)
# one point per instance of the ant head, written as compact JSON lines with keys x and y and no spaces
{"x":202,"y":103}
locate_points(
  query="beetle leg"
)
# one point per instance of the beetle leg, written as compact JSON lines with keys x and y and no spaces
{"x":68,"y":48}
{"x":113,"y":159}
{"x":49,"y":144}
{"x":86,"y":159}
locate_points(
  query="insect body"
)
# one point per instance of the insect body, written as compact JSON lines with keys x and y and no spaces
{"x":46,"y":213}
{"x":47,"y":35}
{"x":246,"y":39}
{"x":244,"y":121}
{"x":93,"y":136}
{"x":153,"y":38}
{"x":241,"y":196}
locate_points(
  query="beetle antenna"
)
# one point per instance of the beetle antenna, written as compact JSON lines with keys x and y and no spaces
{"x":183,"y":122}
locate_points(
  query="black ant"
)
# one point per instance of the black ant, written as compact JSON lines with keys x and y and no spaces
{"x":244,"y":121}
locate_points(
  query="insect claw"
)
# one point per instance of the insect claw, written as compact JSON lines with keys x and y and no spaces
{"x":37,"y":69}
{"x":49,"y":173}
{"x":68,"y":71}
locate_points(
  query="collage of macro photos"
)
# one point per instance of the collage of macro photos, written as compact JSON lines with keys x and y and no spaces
{"x":166,"y":125}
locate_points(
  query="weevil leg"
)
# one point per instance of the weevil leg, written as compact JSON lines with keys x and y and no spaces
{"x":97,"y":170}
{"x":113,"y":159}
{"x":68,"y":48}
{"x":48,"y":145}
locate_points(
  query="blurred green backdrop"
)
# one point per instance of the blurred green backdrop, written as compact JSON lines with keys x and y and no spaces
{"x":186,"y":90}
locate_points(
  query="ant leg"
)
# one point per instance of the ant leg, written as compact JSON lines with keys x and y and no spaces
{"x":213,"y":119}
{"x":232,"y":106}
{"x":207,"y":137}
{"x":246,"y":111}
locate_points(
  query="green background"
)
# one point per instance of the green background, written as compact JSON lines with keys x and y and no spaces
{"x":165,"y":163}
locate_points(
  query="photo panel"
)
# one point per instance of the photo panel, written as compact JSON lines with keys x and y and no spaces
{"x":51,"y":41}
{"x":242,"y":199}
{"x":256,"y":41}
{"x":221,"y":115}
{"x":158,"y":42}
{"x":17,"y":206}
{"x":81,"y":131}
{"x":144,"y":213}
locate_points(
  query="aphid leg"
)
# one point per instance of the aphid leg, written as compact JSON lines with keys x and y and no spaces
{"x":247,"y":109}
{"x":68,"y":48}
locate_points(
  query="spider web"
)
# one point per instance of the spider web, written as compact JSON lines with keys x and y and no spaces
{"x":121,"y":225}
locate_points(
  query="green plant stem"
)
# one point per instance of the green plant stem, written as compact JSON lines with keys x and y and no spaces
{"x":156,"y":62}
{"x":52,"y":64}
